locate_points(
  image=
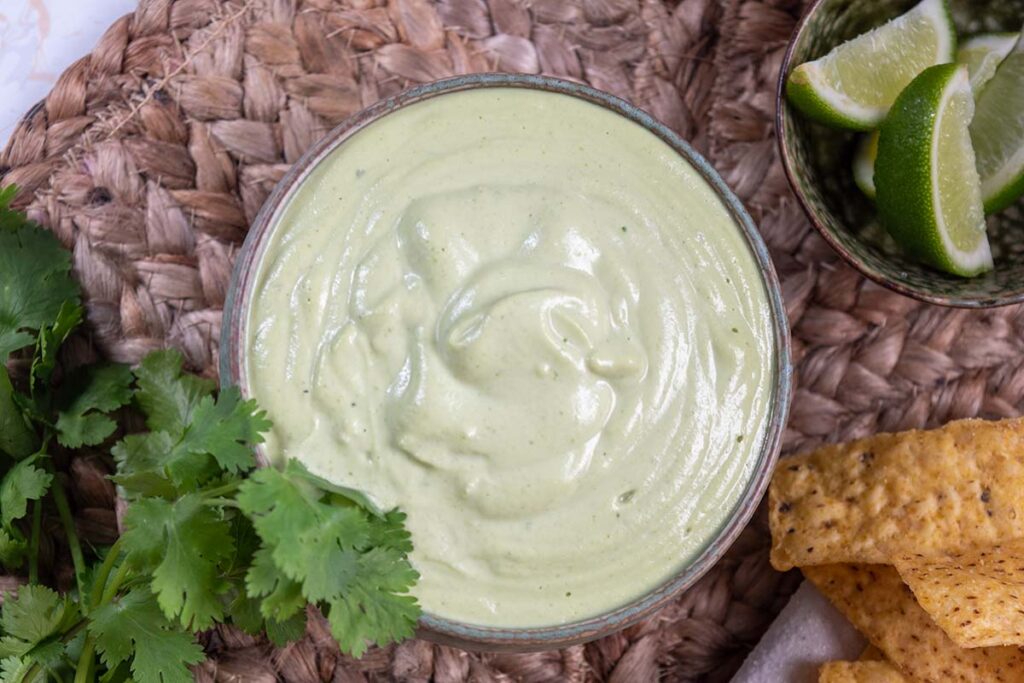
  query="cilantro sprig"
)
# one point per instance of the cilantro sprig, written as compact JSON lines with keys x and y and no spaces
{"x":321,"y":544}
{"x":208,"y":537}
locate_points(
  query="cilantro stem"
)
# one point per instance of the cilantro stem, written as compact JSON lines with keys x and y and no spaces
{"x":115,"y":584}
{"x":84,"y":670}
{"x":33,"y":545}
{"x":37,"y":521}
{"x":221,"y":490}
{"x":221,"y":502}
{"x":32,"y":672}
{"x":68,"y":636}
{"x":64,"y":511}
{"x":100,"y":582}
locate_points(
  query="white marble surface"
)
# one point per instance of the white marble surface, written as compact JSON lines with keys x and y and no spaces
{"x":38,"y":40}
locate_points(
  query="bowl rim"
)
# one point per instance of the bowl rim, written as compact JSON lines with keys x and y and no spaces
{"x":470,"y":636}
{"x":782,"y":112}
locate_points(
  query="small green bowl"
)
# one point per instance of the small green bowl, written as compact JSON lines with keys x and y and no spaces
{"x":818,"y":163}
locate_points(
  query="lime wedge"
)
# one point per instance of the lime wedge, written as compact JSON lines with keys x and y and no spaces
{"x":998,"y":133}
{"x":983,"y":53}
{"x":929,"y":192}
{"x":864,"y":164}
{"x":854,"y":85}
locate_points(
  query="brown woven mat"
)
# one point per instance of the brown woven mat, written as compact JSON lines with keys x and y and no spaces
{"x":152,"y":154}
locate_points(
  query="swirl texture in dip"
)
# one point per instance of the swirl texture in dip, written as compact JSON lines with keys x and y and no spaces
{"x":533,"y":326}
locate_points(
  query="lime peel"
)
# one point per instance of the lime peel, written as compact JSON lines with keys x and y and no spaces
{"x":929,"y":192}
{"x":854,"y":85}
{"x":998,"y":133}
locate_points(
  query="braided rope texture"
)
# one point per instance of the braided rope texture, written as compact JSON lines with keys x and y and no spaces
{"x":152,"y":155}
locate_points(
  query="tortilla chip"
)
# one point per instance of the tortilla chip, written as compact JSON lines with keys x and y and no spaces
{"x":860,"y":672}
{"x":974,"y":595}
{"x":870,"y":667}
{"x":925,"y":492}
{"x":877,"y":602}
{"x":871,"y":654}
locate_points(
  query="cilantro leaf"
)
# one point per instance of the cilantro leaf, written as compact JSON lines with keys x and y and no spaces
{"x":13,"y":669}
{"x":50,"y":338}
{"x":219,"y":438}
{"x":35,"y":280}
{"x":12,"y":550}
{"x":281,"y":633}
{"x":376,"y":608}
{"x":330,"y":559}
{"x":134,"y":626}
{"x":49,"y":655}
{"x":346,"y":493}
{"x":17,"y":438}
{"x":166,"y":395}
{"x":246,"y":614}
{"x":246,"y":543}
{"x":140,"y":470}
{"x":84,"y":397}
{"x":282,"y":597}
{"x":36,"y":614}
{"x":282,"y":506}
{"x":181,"y":544}
{"x":365,"y":614}
{"x":10,"y":219}
{"x":226,"y":429}
{"x":391,"y":532}
{"x":119,"y":674}
{"x":322,"y":545}
{"x":22,"y":483}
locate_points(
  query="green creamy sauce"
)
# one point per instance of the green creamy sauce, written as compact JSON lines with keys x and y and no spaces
{"x":530,"y":324}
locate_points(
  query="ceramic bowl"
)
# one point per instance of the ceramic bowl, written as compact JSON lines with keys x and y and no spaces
{"x":818,"y":163}
{"x":469,"y":636}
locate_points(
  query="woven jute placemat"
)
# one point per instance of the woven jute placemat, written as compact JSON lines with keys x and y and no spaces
{"x":152,"y":154}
